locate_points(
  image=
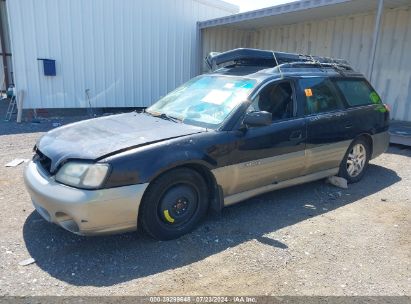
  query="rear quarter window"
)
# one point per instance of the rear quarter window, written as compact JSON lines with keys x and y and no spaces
{"x":320,"y":95}
{"x":358,"y":92}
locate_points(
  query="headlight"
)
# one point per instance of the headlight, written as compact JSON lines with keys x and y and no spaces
{"x":82,"y":175}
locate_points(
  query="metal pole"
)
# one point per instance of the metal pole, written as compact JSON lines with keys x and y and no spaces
{"x":3,"y":51}
{"x":199,"y":52}
{"x":377,"y":27}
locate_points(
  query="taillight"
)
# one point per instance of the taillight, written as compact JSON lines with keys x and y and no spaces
{"x":387,"y":107}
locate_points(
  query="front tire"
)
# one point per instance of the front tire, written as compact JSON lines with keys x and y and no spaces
{"x":174,"y":204}
{"x":355,"y":161}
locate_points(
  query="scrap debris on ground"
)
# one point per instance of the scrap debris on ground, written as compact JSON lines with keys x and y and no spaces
{"x":27,"y":262}
{"x":338,"y":181}
{"x":17,"y":161}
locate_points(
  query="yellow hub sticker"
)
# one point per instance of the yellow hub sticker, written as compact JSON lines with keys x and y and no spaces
{"x":168,"y":217}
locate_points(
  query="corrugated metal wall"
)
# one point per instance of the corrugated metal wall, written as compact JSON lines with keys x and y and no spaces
{"x":348,"y":37}
{"x":392,"y":76}
{"x":127,"y":53}
{"x":219,"y":39}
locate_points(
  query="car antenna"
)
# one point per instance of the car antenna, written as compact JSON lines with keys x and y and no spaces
{"x":317,"y":61}
{"x":278,"y":64}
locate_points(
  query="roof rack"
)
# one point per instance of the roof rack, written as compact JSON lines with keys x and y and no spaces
{"x":246,"y":56}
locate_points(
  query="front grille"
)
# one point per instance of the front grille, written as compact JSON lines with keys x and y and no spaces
{"x":43,"y":161}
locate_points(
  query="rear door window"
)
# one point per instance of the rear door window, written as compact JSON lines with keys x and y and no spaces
{"x":320,"y":95}
{"x":358,"y":92}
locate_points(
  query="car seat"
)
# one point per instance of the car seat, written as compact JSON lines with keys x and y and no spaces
{"x":277,"y":101}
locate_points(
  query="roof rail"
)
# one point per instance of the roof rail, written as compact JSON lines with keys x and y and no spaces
{"x":266,"y":58}
{"x":337,"y":66}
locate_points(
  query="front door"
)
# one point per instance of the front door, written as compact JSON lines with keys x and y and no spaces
{"x":270,"y":154}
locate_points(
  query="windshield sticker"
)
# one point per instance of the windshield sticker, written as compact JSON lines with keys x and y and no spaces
{"x":229,"y":85}
{"x":247,"y":84}
{"x":217,"y":97}
{"x":308,"y":92}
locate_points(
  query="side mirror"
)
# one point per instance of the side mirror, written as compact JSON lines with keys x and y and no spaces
{"x":258,"y":118}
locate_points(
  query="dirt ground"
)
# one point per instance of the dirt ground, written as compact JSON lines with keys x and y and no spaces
{"x":312,"y":239}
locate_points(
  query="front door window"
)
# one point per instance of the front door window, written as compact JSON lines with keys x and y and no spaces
{"x":277,"y":99}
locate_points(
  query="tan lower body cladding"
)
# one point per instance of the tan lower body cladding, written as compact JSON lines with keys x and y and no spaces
{"x":244,"y":180}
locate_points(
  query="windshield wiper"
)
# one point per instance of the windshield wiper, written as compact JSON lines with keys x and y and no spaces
{"x":166,"y":117}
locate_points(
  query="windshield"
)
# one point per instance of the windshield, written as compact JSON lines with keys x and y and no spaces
{"x":205,"y":100}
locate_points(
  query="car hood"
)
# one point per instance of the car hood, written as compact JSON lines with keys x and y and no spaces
{"x":96,"y":138}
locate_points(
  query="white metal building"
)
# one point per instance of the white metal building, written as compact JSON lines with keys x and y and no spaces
{"x":373,"y":35}
{"x":124,"y":53}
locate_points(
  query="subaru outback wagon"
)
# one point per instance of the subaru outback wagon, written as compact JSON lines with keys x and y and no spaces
{"x":259,"y":121}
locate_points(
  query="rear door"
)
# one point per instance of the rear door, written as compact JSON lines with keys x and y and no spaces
{"x":270,"y":154}
{"x":329,"y":127}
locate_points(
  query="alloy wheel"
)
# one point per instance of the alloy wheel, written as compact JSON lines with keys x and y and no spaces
{"x":356,"y":160}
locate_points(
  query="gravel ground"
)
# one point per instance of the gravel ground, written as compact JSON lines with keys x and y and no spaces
{"x":312,"y":239}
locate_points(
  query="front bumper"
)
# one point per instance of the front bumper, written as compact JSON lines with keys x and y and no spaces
{"x":84,"y":212}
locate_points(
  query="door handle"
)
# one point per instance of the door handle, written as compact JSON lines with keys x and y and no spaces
{"x":295,"y":135}
{"x":348,"y":125}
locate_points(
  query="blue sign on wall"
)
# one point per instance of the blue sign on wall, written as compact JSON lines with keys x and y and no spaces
{"x":49,"y":66}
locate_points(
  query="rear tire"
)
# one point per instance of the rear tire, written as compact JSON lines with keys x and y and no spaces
{"x":174,"y":204}
{"x":355,"y":161}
